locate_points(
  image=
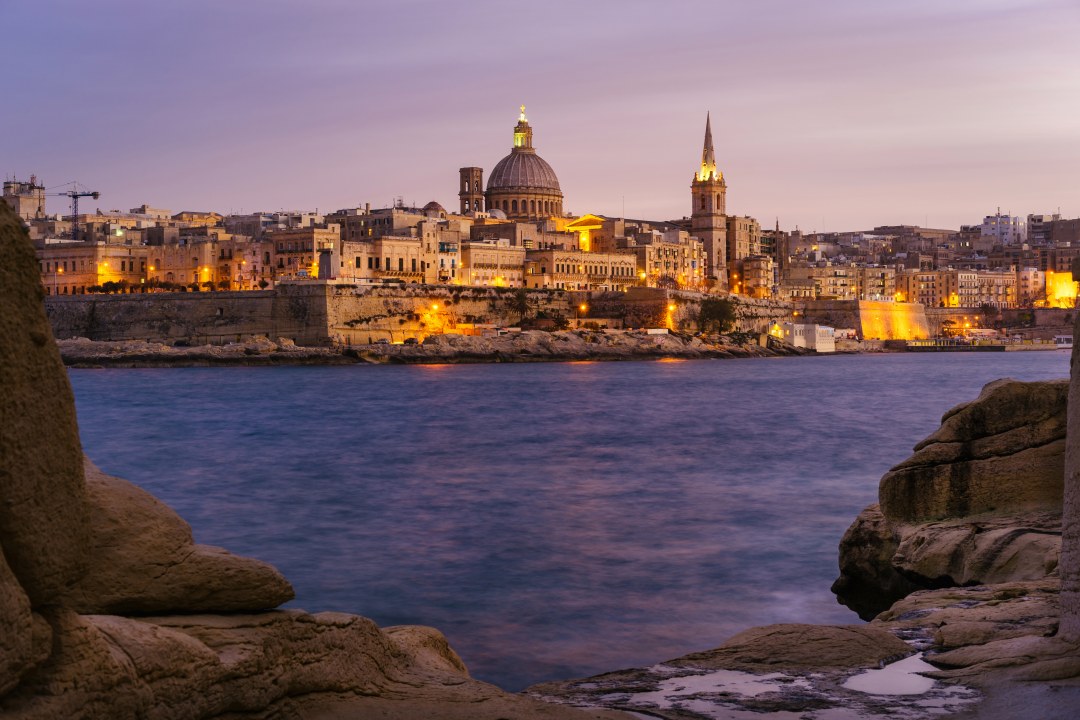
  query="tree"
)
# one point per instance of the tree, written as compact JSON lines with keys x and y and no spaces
{"x":716,"y":315}
{"x":520,"y":304}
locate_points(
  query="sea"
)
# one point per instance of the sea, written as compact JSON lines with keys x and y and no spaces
{"x":554,"y":520}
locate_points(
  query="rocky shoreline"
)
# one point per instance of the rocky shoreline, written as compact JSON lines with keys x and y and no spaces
{"x":527,"y":346}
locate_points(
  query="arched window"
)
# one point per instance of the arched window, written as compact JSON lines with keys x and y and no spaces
{"x":513,"y":206}
{"x":717,"y":201}
{"x":532,"y":206}
{"x":702,"y":202}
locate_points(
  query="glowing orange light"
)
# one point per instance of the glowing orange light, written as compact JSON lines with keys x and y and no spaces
{"x":671,"y":308}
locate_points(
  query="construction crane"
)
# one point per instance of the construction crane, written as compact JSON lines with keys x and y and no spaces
{"x":75,"y":193}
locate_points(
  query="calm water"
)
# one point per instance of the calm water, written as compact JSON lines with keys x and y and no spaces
{"x":554,"y":520}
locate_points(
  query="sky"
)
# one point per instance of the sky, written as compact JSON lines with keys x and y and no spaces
{"x":828,"y":116}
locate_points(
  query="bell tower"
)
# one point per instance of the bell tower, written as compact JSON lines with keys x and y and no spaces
{"x":708,"y":219}
{"x":471,"y":190}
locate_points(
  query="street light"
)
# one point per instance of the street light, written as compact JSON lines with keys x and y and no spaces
{"x":56,"y":274}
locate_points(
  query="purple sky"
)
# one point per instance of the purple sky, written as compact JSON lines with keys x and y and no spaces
{"x":834,"y":115}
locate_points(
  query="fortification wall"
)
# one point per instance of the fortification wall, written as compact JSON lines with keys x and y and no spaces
{"x":319,"y":313}
{"x":873,"y":320}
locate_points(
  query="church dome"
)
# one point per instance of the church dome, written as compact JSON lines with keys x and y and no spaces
{"x":434,"y":209}
{"x":522,"y":184}
{"x":525,"y":170}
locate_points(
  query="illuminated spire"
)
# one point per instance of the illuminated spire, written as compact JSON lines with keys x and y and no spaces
{"x":708,"y":155}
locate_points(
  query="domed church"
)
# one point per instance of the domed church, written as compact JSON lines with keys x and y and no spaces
{"x":522,"y":184}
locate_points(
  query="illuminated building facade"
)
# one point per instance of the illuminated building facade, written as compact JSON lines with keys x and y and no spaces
{"x":492,"y":264}
{"x":572,"y":269}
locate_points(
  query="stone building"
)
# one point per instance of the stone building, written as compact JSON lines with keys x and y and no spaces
{"x":75,"y":268}
{"x":389,"y":257}
{"x":743,"y":241}
{"x":296,"y":250}
{"x":492,"y":263}
{"x":27,"y":199}
{"x":573,"y":269}
{"x":758,"y":276}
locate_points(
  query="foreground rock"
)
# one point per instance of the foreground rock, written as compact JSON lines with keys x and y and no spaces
{"x":108,"y":609}
{"x":956,"y":652}
{"x":978,"y":503}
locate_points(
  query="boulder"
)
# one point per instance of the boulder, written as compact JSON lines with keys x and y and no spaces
{"x":43,"y":510}
{"x":979,"y":502}
{"x":868,"y":581}
{"x":144,"y":560}
{"x":1003,"y":452}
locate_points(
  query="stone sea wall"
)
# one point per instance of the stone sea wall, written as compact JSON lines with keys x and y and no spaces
{"x":320,"y":313}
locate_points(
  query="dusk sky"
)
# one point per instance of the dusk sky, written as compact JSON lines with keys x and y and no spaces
{"x":830,"y":115}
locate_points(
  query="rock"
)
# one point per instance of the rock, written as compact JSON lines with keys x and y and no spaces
{"x":144,"y":560}
{"x":868,"y":582}
{"x":1004,"y":451}
{"x":979,"y":502}
{"x":16,"y":629}
{"x":43,"y":513}
{"x":980,"y":551}
{"x":796,"y":646}
{"x":278,"y":664}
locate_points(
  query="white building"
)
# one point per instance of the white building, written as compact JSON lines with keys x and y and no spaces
{"x":819,"y":338}
{"x":1008,"y":229}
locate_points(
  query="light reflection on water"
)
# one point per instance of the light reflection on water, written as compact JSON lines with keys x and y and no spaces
{"x":554,"y":520}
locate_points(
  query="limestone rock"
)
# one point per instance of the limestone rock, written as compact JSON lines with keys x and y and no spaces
{"x":16,"y":629}
{"x":43,"y":514}
{"x":796,"y":646}
{"x":980,"y":551}
{"x":144,"y":560}
{"x":1004,"y":451}
{"x":979,"y":502}
{"x":868,"y":582}
{"x":279,"y":664}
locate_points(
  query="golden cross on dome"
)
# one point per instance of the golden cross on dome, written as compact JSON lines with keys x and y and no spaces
{"x":522,"y":116}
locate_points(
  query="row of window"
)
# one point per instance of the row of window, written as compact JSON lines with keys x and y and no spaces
{"x":546,"y":207}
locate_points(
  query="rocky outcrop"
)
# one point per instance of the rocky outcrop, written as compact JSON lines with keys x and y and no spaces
{"x":108,"y":609}
{"x":528,"y":346}
{"x":143,"y":560}
{"x":978,"y":503}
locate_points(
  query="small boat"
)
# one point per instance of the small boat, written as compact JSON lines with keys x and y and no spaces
{"x":1063,"y":342}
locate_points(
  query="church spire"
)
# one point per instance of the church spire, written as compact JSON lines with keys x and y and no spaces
{"x":708,"y":169}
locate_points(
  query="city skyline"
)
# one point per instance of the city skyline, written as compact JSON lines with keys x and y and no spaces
{"x":830,"y":117}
